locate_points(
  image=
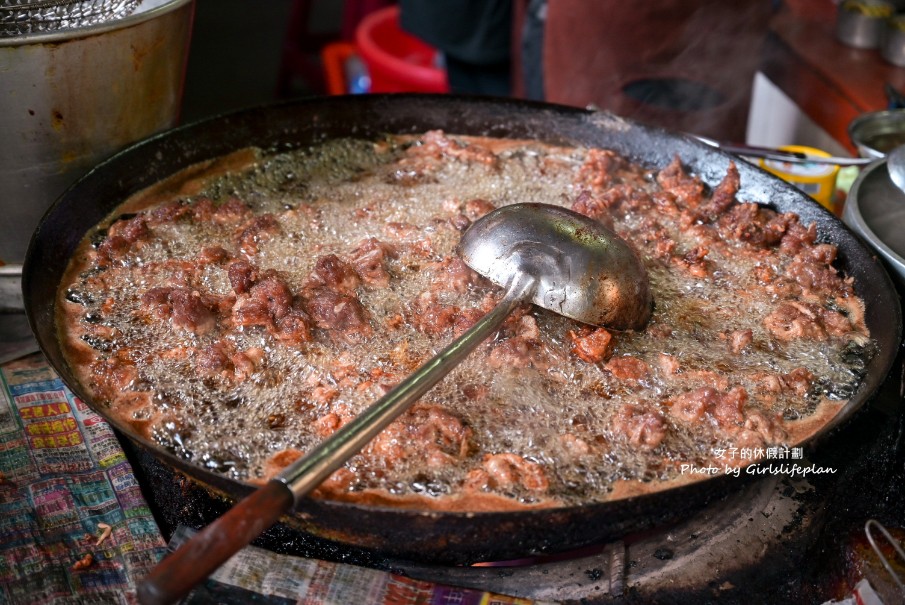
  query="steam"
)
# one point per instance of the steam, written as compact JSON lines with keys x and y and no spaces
{"x":681,"y":65}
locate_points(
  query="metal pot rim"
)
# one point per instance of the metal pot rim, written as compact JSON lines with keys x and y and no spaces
{"x":139,"y":16}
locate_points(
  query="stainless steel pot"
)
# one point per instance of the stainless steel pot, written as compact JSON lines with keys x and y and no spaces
{"x":71,"y":97}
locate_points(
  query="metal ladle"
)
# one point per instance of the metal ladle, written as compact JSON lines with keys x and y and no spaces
{"x":556,"y":258}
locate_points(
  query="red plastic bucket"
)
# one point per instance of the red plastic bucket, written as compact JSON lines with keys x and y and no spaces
{"x":396,"y":60}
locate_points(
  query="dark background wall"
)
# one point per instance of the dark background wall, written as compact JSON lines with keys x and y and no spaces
{"x":235,"y":53}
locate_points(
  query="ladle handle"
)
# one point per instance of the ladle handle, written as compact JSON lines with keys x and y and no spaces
{"x":310,"y":471}
{"x":210,"y":548}
{"x":192,"y":562}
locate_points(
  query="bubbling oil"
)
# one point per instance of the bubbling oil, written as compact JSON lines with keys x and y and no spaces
{"x":327,"y":200}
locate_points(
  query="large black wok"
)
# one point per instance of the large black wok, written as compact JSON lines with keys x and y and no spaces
{"x":447,"y":537}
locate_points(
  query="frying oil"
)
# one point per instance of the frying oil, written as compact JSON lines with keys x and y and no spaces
{"x":330,"y":198}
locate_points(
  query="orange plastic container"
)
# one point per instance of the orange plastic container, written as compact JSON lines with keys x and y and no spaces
{"x":396,"y":60}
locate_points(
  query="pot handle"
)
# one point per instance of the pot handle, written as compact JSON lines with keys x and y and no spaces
{"x":195,"y":560}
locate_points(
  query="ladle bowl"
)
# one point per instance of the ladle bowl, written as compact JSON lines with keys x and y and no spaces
{"x":583,"y":270}
{"x":556,"y":258}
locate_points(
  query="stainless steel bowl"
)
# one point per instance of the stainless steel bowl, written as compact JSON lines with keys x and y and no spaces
{"x":860,"y":23}
{"x":875,"y":209}
{"x":878,"y":132}
{"x":892,"y":46}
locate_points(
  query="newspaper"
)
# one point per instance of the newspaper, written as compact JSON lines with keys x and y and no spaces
{"x":75,"y":527}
